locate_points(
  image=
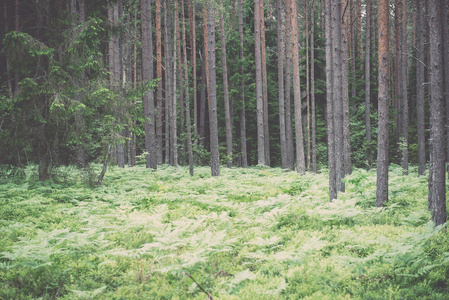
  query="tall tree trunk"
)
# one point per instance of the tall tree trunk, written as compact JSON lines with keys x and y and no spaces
{"x":226,"y":93}
{"x":306,"y":33}
{"x":437,"y":178}
{"x":203,"y":95}
{"x":281,"y":85}
{"x":147,"y":75}
{"x":186,"y":84}
{"x":382,"y":138}
{"x":329,"y":102}
{"x":159,"y":82}
{"x":180,"y":79}
{"x":259,"y":94}
{"x":397,"y":73}
{"x":312,"y":86}
{"x":300,"y":160}
{"x":288,"y":85}
{"x":173,"y":110}
{"x":420,"y":88}
{"x":344,"y":89}
{"x":446,"y":71}
{"x":337,"y":95}
{"x":215,"y":160}
{"x":169,"y":82}
{"x":193,"y":47}
{"x":404,"y":98}
{"x":264,"y":85}
{"x":368,"y":82}
{"x":117,"y":75}
{"x":242,"y":91}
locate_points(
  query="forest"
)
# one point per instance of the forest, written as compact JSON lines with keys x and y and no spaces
{"x":224,"y":149}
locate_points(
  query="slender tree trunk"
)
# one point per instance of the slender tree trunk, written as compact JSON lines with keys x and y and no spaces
{"x":382,"y":138}
{"x":203,"y":101}
{"x":281,"y":85}
{"x":397,"y":73}
{"x":215,"y":160}
{"x":420,"y":88}
{"x":306,"y":33}
{"x":173,"y":111}
{"x":368,"y":83}
{"x":226,"y":93}
{"x":329,"y":102}
{"x":344,"y":90}
{"x":264,"y":85}
{"x":312,"y":86}
{"x":147,"y":75}
{"x":404,"y":98}
{"x":169,"y":83}
{"x":242,"y":91}
{"x":288,"y":85}
{"x":300,"y":160}
{"x":186,"y":84}
{"x":193,"y":47}
{"x":180,"y":78}
{"x":159,"y":82}
{"x":259,"y":94}
{"x":446,"y":71}
{"x":117,"y":75}
{"x":437,"y":178}
{"x":337,"y":95}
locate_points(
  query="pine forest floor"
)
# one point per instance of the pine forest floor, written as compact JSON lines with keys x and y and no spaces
{"x":255,"y":233}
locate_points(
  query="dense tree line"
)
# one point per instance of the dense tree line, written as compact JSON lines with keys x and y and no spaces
{"x":304,"y":85}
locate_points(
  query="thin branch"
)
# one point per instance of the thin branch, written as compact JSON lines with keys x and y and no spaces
{"x":208,"y":295}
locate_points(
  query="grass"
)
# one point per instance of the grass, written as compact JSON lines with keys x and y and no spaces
{"x":256,"y":233}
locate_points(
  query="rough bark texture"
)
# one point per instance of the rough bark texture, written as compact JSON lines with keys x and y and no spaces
{"x":179,"y":76}
{"x":147,"y":75}
{"x":306,"y":33}
{"x":226,"y":92}
{"x":404,"y":98}
{"x":446,"y":71}
{"x":193,"y":47}
{"x":288,"y":86}
{"x":300,"y":160}
{"x":344,"y":89}
{"x":329,"y":102}
{"x":368,"y":83}
{"x":168,"y":89}
{"x":437,"y":179}
{"x":382,"y":138}
{"x":242,"y":91}
{"x":281,"y":85}
{"x":337,"y":95}
{"x":173,"y":113}
{"x":187,"y":94}
{"x":215,"y":160}
{"x":159,"y":83}
{"x":420,"y":87}
{"x":264,"y":85}
{"x":312,"y":86}
{"x":259,"y":94}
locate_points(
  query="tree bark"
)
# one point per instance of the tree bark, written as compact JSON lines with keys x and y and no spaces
{"x":159,"y":82}
{"x":344,"y":90}
{"x":437,"y":179}
{"x":192,"y":15}
{"x":382,"y":138}
{"x":446,"y":72}
{"x":263,"y":49}
{"x":242,"y":91}
{"x":180,"y":80}
{"x":147,"y":75}
{"x":228,"y":123}
{"x":404,"y":98}
{"x":420,"y":88}
{"x":368,"y":83}
{"x":329,"y":102}
{"x":288,"y":85}
{"x":300,"y":160}
{"x":259,"y":94}
{"x":337,"y":95}
{"x":281,"y":85}
{"x":306,"y":33}
{"x":215,"y":160}
{"x":186,"y":84}
{"x":312,"y":86}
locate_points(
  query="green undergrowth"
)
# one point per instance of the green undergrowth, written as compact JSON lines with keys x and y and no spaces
{"x":255,"y":233}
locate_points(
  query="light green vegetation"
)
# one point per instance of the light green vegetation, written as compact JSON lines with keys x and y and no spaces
{"x":256,"y":233}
